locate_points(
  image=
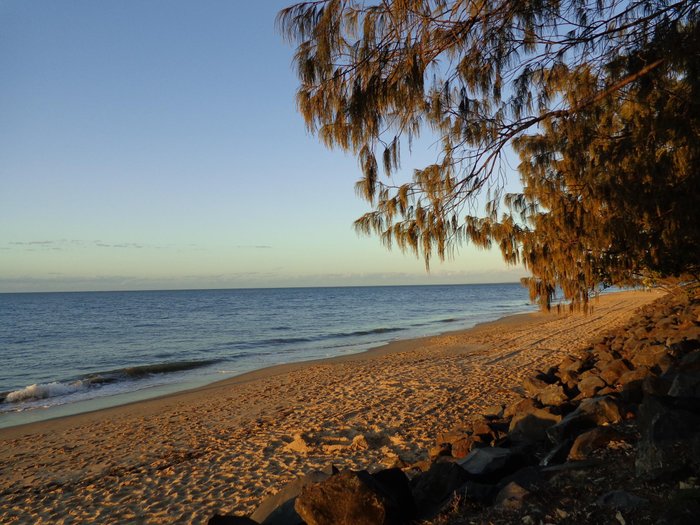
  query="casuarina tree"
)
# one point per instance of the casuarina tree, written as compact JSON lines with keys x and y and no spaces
{"x":599,"y":98}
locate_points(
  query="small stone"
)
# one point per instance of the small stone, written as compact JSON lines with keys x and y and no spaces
{"x":299,"y":445}
{"x":359,"y":442}
{"x":533,"y":424}
{"x":621,"y":500}
{"x":552,"y":395}
{"x":511,"y":497}
{"x":493,"y":412}
{"x":443,"y":449}
{"x":593,"y":440}
{"x":588,"y":386}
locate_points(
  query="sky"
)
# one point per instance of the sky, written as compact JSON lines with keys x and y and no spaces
{"x":155,"y":144}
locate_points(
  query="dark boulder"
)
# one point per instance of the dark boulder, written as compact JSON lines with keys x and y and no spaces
{"x":278,"y":509}
{"x":667,"y":436}
{"x":590,"y":413}
{"x":531,"y":425}
{"x":348,"y":498}
{"x":490,"y":464}
{"x":432,"y":488}
{"x":395,"y":484}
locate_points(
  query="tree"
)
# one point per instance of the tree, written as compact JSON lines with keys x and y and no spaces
{"x":599,"y":98}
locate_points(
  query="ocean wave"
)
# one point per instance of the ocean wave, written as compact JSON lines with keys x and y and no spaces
{"x":368,"y":332}
{"x":95,"y":380}
{"x":44,"y":390}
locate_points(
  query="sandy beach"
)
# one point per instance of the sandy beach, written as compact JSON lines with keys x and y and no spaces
{"x":220,"y":448}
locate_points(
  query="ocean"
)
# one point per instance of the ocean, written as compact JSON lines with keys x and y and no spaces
{"x":65,"y":353}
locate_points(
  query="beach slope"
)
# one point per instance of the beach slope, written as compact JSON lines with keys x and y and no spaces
{"x":220,"y":448}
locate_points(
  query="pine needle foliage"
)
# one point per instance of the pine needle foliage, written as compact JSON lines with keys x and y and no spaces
{"x":600,"y":99}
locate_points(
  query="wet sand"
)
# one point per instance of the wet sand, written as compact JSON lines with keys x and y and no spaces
{"x":220,"y":448}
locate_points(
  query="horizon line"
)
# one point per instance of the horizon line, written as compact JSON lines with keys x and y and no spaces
{"x":259,"y":288}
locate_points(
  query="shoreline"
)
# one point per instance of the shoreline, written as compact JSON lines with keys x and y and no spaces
{"x":171,"y":389}
{"x":223,"y":446}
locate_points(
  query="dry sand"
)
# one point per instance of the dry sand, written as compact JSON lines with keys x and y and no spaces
{"x":183,"y":457}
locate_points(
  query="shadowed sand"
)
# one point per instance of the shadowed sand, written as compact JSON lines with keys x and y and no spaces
{"x":220,"y":448}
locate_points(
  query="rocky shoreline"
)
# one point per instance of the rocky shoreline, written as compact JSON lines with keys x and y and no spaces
{"x":610,"y":435}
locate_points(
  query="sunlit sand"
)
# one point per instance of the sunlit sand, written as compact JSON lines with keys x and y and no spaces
{"x":183,"y":457}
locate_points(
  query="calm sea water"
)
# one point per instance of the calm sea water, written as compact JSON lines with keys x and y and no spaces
{"x":64,"y":352}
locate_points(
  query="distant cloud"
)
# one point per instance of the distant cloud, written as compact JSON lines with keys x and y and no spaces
{"x":62,"y":244}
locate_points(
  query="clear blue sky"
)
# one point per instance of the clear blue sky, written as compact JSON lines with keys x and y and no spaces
{"x":152,"y":144}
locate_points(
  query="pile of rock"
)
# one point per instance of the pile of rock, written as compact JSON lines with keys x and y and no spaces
{"x":637,"y":388}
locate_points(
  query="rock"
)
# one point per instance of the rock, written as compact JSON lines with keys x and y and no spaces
{"x":522,"y":405}
{"x":278,"y":509}
{"x":532,"y":425}
{"x":480,"y":427}
{"x":451,"y":436}
{"x":631,"y":383}
{"x":219,"y":519}
{"x":651,"y":356}
{"x":552,"y":395}
{"x":666,"y":444}
{"x":603,"y":353}
{"x":589,"y":385}
{"x":348,"y":498}
{"x":590,"y":413}
{"x":430,"y":489}
{"x":569,"y":379}
{"x":464,"y":446}
{"x":493,"y":412}
{"x":685,"y":385}
{"x":396,"y":485}
{"x":638,"y":374}
{"x":299,"y":445}
{"x":656,"y":385}
{"x":533,"y":385}
{"x":359,"y":442}
{"x":510,"y":497}
{"x":621,"y":500}
{"x":558,"y":454}
{"x":612,"y":371}
{"x":443,"y":449}
{"x":479,"y":492}
{"x":529,"y":478}
{"x":592,"y":440}
{"x":490,"y":464}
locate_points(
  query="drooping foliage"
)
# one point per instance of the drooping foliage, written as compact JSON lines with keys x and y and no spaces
{"x":599,"y":98}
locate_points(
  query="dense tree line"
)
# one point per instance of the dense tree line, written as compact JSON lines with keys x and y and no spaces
{"x":599,"y":98}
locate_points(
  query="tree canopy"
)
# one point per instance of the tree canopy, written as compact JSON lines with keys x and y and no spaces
{"x":599,"y":98}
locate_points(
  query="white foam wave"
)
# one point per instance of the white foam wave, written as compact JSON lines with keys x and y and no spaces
{"x":44,"y":390}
